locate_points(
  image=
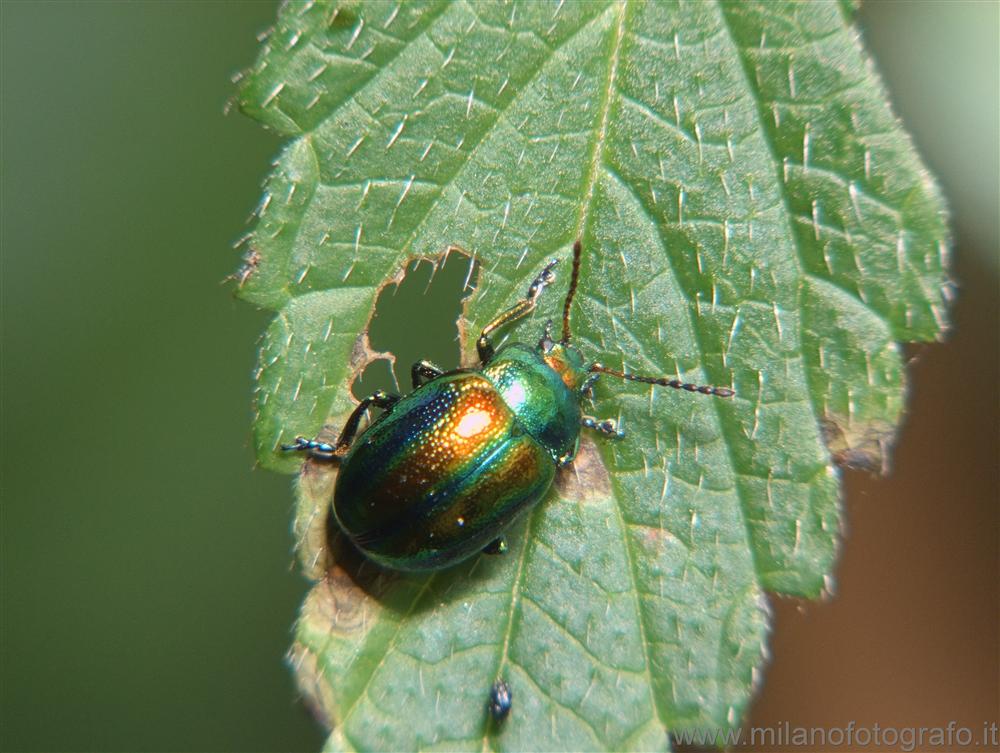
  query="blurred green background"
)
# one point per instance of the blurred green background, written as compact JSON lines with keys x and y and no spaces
{"x":147,"y":582}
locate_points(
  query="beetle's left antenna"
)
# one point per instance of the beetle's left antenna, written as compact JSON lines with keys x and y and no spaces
{"x":574,"y":278}
{"x":677,"y":384}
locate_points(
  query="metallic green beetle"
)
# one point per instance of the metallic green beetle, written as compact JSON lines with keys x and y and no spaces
{"x":445,"y":470}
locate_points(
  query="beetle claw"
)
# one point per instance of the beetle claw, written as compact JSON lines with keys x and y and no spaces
{"x":315,"y":448}
{"x":300,"y":443}
{"x":546,"y":277}
{"x":608,"y":427}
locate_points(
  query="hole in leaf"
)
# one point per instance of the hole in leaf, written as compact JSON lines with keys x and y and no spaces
{"x":418,"y":319}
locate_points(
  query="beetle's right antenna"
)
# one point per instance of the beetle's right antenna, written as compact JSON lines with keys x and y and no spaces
{"x":574,"y":278}
{"x":677,"y":384}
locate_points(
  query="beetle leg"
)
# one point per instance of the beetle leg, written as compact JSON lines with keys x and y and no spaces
{"x":546,"y":343}
{"x":319,"y":450}
{"x":497,"y":546}
{"x":608,"y":427}
{"x":316,"y":449}
{"x":379,"y":399}
{"x":587,"y":388}
{"x":518,"y":311}
{"x":424,"y":371}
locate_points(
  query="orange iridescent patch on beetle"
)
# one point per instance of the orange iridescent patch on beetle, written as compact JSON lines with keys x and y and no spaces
{"x":476,"y":418}
{"x":451,"y":434}
{"x":496,"y":493}
{"x":558,"y":364}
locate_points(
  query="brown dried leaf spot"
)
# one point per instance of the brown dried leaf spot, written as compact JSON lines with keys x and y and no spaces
{"x":586,"y":477}
{"x":863,"y":447}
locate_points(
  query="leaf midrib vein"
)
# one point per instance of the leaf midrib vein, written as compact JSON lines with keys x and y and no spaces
{"x":501,"y":113}
{"x":597,"y":150}
{"x":515,"y":591}
{"x":596,"y":165}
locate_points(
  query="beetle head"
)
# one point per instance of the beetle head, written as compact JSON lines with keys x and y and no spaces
{"x":565,"y":360}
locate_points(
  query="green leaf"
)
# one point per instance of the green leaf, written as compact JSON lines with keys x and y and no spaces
{"x":752,"y":216}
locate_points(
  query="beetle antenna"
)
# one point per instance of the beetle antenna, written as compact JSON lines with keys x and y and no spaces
{"x":664,"y":382}
{"x":574,"y":278}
